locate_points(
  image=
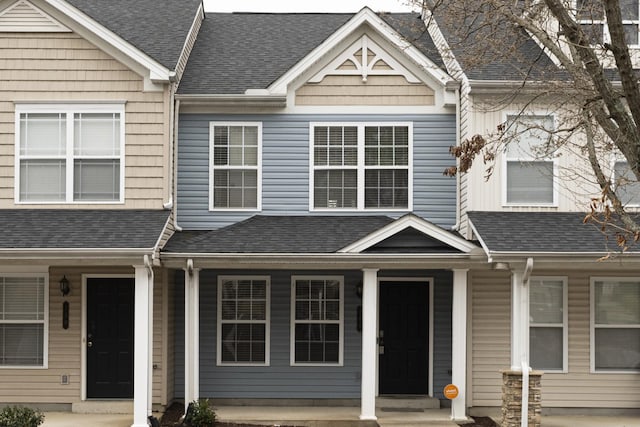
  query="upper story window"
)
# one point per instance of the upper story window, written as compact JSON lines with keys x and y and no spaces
{"x":592,"y":19}
{"x":528,"y":163}
{"x":69,"y":153}
{"x":243,"y":320}
{"x":615,"y":324}
{"x":23,"y":321}
{"x":361,"y":166}
{"x":548,"y":323}
{"x":235,"y":161}
{"x":626,"y":185}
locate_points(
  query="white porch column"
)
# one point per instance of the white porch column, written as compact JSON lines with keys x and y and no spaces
{"x":191,"y":334}
{"x":369,"y":344}
{"x":142,"y":347}
{"x":520,"y":317}
{"x":459,"y":344}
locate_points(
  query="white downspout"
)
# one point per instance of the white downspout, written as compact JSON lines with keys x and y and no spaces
{"x":174,"y":163}
{"x":524,"y":414}
{"x":456,"y":226}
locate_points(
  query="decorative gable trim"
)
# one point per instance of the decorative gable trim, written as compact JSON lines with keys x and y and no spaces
{"x":364,"y":58}
{"x":410,"y":220}
{"x":365,"y":16}
{"x":24,"y":17}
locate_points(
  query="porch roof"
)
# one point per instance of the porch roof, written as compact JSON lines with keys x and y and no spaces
{"x":540,"y":232}
{"x":263,"y":234}
{"x":41,"y":229}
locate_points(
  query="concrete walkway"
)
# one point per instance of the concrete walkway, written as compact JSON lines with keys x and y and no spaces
{"x":324,"y":416}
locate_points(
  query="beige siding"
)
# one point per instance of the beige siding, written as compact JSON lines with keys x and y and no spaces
{"x":377,"y":90}
{"x":63,"y":67}
{"x":491,"y":337}
{"x":579,"y":388}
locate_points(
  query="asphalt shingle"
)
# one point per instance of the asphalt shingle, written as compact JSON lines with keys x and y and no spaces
{"x":279,"y":234}
{"x":159,"y":28}
{"x":80,"y":228}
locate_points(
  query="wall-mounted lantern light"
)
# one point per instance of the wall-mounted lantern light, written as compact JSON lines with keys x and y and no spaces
{"x":65,"y":286}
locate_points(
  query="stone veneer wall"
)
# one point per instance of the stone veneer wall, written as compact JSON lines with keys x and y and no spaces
{"x":512,"y":398}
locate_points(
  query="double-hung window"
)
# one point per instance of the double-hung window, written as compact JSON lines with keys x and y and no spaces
{"x":626,"y":185}
{"x":548,"y":323}
{"x":591,"y":17}
{"x":243,"y":320}
{"x":615,"y":324}
{"x":69,"y":153}
{"x":357,"y":166}
{"x":235,"y":159}
{"x":528,"y":161}
{"x":317,"y":329}
{"x":23,"y":324}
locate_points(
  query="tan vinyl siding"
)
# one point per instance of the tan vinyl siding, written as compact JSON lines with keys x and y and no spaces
{"x":63,"y":67}
{"x":377,"y":90}
{"x":159,"y":395}
{"x":491,"y":337}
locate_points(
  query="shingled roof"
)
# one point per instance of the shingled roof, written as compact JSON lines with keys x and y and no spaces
{"x":159,"y":28}
{"x":81,"y":228}
{"x":541,"y":232}
{"x":228,"y":58}
{"x":279,"y":234}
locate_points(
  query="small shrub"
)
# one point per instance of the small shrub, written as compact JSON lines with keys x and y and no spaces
{"x":19,"y":416}
{"x":200,"y":414}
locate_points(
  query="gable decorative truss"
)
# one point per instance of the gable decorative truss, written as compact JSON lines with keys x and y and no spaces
{"x":24,"y":17}
{"x":375,"y":60}
{"x":417,"y":223}
{"x":364,"y":58}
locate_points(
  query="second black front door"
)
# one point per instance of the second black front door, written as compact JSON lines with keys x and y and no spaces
{"x":404,"y":338}
{"x":109,"y":340}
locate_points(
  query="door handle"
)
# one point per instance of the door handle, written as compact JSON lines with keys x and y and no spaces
{"x":89,"y":344}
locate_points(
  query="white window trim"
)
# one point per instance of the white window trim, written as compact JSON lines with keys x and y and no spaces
{"x":592,"y":323}
{"x":504,"y":162}
{"x":258,"y":167}
{"x":340,"y":322}
{"x":45,"y":321}
{"x":606,"y":36}
{"x":70,"y":109}
{"x":564,"y":325}
{"x":619,"y":158}
{"x":360,"y":167}
{"x":267,"y":322}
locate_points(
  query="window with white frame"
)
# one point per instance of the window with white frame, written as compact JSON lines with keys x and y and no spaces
{"x":243,"y":320}
{"x":23,"y":325}
{"x":69,"y":153}
{"x":235,"y":150}
{"x":529,"y":166}
{"x":317,"y":320}
{"x":361,"y":166}
{"x":615,"y":324}
{"x":591,"y":17}
{"x":548,"y":323}
{"x":626,"y":185}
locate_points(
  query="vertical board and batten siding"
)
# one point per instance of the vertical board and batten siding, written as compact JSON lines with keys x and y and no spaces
{"x":490,"y":352}
{"x":64,"y":68}
{"x":285,"y":167}
{"x":280,"y":380}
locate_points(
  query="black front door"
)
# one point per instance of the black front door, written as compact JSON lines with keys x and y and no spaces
{"x":404,"y":338}
{"x":110,"y":307}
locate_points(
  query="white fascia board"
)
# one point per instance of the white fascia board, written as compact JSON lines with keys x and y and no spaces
{"x":365,"y":16}
{"x":58,"y":253}
{"x":404,"y":222}
{"x":479,"y":237}
{"x":157,"y":72}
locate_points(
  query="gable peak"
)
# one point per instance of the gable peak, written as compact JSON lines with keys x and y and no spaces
{"x":22,"y":16}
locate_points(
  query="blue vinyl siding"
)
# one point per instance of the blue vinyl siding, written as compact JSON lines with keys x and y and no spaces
{"x":280,"y":380}
{"x":285,"y":166}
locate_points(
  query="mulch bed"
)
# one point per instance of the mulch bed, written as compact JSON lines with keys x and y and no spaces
{"x":171,"y":418}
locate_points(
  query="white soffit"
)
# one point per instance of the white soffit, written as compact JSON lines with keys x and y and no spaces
{"x":410,"y":220}
{"x":24,"y":17}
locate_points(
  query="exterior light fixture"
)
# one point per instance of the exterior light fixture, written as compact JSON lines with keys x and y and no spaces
{"x":65,"y":286}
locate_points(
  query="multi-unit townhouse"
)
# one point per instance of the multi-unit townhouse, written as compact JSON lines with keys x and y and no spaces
{"x":261,"y":201}
{"x":86,"y":105}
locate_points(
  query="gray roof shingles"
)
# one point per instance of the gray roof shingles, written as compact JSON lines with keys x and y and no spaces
{"x":239,"y":51}
{"x":81,"y":228}
{"x":559,"y":232}
{"x":279,"y":234}
{"x":159,"y":28}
